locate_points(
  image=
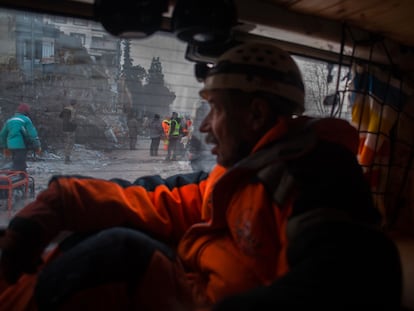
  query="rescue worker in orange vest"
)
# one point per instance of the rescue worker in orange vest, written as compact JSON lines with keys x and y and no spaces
{"x":285,"y":218}
{"x":186,"y":125}
{"x":166,"y":127}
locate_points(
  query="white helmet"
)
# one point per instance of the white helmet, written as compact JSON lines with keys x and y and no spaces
{"x":258,"y":67}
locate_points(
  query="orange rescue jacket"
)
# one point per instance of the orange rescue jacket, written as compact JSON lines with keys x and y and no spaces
{"x":228,"y":231}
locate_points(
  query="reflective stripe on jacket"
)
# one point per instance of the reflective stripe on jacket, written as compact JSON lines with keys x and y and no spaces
{"x":174,"y":129}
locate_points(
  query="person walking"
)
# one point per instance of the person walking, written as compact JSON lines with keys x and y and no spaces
{"x":284,"y":219}
{"x":18,"y":135}
{"x":69,"y":125}
{"x":156,"y":131}
{"x":133,"y":128}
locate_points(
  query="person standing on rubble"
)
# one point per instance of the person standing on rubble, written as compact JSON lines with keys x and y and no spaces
{"x":174,"y":136}
{"x":69,"y":125}
{"x":156,"y":131}
{"x":133,"y":129}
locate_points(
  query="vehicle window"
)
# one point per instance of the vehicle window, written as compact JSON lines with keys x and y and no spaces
{"x":324,"y":88}
{"x":116,"y":87}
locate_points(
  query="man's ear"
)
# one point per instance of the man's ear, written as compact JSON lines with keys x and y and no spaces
{"x":260,"y":114}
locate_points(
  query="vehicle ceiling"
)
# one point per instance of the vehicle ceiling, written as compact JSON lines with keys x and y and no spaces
{"x":390,"y":18}
{"x":309,"y":26}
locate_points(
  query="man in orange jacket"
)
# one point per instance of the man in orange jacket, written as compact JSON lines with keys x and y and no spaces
{"x":285,"y":218}
{"x":166,"y":127}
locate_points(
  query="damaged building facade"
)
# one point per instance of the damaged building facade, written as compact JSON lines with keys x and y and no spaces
{"x":51,"y":63}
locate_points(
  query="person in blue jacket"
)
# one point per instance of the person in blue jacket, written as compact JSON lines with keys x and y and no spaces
{"x":18,"y":135}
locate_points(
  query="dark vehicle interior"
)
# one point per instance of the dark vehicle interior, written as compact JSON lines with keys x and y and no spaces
{"x":337,"y":40}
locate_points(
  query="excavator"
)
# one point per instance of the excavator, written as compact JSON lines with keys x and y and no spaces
{"x":366,"y":48}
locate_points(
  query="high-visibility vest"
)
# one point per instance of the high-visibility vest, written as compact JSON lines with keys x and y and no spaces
{"x":176,"y":131}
